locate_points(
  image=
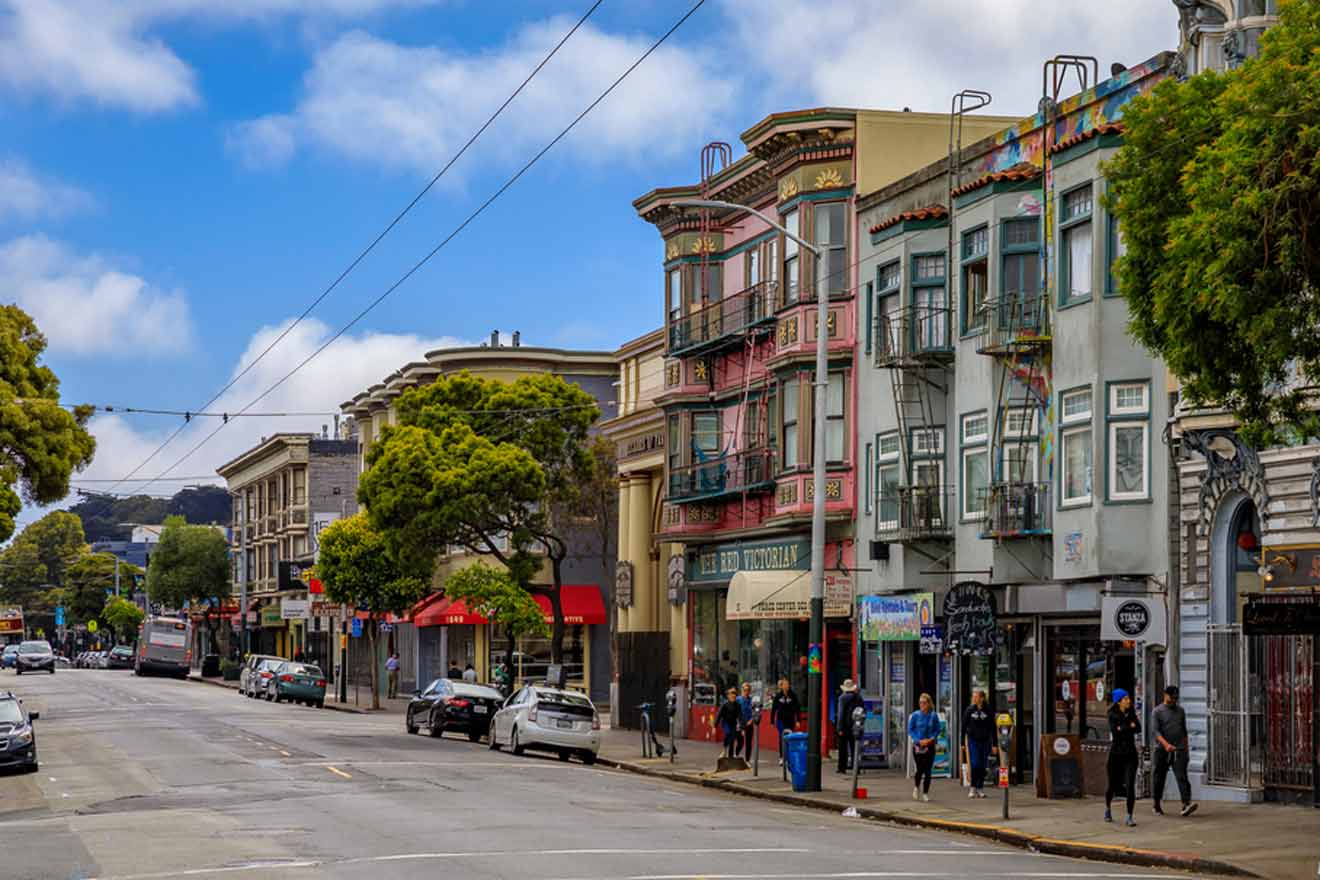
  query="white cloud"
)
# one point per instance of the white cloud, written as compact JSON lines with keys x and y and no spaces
{"x":413,"y":106}
{"x":262,"y":143}
{"x":863,"y":57}
{"x":106,"y":50}
{"x":27,"y":195}
{"x":86,"y":306}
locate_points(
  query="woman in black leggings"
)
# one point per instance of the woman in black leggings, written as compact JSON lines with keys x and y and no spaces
{"x":1123,"y":730}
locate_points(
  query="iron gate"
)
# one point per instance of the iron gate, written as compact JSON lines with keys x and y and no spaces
{"x":1229,"y":759}
{"x":1287,"y":664}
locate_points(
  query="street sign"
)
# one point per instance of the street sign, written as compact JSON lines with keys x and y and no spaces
{"x":59,"y":615}
{"x":91,"y":626}
{"x":357,"y":628}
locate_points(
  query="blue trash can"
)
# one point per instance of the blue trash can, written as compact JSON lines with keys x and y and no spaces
{"x":795,"y":755}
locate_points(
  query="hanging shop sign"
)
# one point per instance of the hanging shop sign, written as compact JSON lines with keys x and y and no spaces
{"x":1133,"y":619}
{"x":932,"y":640}
{"x":1290,"y":567}
{"x":1272,"y":617}
{"x":623,"y":584}
{"x":295,"y":609}
{"x":294,"y":574}
{"x":676,"y":580}
{"x":895,"y":618}
{"x":718,"y":563}
{"x":271,"y":616}
{"x":969,"y":619}
{"x":11,"y":620}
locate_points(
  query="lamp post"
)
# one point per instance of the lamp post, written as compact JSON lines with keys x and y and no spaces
{"x":816,"y":629}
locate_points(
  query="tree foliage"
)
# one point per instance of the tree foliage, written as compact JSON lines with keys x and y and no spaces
{"x":108,"y":518}
{"x":486,"y":465}
{"x":88,"y":581}
{"x":191,"y":564}
{"x":39,"y":558}
{"x":122,"y":616}
{"x":496,"y":596}
{"x":1217,"y":190}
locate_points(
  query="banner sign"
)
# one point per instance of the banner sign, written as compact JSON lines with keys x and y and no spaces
{"x":1133,"y":619}
{"x":11,"y":620}
{"x":326,"y":609}
{"x":319,"y":522}
{"x":895,"y":618}
{"x":718,"y":563}
{"x":969,"y":619}
{"x":295,"y":609}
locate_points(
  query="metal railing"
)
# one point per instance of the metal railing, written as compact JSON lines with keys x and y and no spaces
{"x":1016,"y":510}
{"x":917,"y":333}
{"x":727,"y":318}
{"x":915,"y":513}
{"x":1019,"y":320}
{"x":748,"y":470}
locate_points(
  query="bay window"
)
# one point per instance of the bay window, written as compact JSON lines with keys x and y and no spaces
{"x":792,"y":261}
{"x":831,"y":238}
{"x":1075,"y":257}
{"x":1128,"y":450}
{"x":1075,"y":443}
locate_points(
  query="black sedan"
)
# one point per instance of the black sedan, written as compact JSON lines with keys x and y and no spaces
{"x":18,"y":737}
{"x":454,"y":705}
{"x":121,"y":657}
{"x":35,"y":656}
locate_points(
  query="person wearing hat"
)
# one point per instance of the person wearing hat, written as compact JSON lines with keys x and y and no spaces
{"x":1169,"y":724}
{"x":1123,"y":756}
{"x":849,"y":700}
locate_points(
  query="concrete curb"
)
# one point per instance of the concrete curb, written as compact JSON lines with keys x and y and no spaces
{"x":335,"y":707}
{"x":1122,"y":855}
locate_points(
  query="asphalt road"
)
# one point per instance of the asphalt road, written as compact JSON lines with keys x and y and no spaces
{"x":157,"y":778}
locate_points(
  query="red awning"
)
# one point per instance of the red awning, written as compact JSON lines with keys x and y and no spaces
{"x":582,"y":605}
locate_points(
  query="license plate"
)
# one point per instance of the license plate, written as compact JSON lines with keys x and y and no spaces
{"x":565,"y":725}
{"x":480,"y":710}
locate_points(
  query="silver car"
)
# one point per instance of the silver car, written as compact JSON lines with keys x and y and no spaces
{"x":548,"y":720}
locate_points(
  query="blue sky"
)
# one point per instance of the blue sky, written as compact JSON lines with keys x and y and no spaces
{"x":179,"y":178}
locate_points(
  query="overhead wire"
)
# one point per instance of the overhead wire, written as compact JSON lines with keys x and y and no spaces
{"x":453,"y":234}
{"x":380,"y":237}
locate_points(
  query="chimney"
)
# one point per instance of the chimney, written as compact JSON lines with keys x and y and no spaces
{"x":517,"y":339}
{"x":494,"y":339}
{"x":325,"y":432}
{"x":337,"y":435}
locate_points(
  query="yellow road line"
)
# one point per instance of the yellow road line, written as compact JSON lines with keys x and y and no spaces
{"x":338,"y":772}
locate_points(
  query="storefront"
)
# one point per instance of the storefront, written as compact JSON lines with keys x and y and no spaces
{"x":748,"y":617}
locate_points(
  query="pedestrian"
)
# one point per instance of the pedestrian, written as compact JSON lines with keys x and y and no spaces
{"x":1170,"y":726}
{"x":454,"y":673}
{"x":978,"y":728}
{"x":849,"y":701}
{"x":784,"y":712}
{"x":392,"y":670}
{"x":1122,"y":767}
{"x":469,"y":674}
{"x":298,"y":656}
{"x":729,"y":720}
{"x":749,"y":719}
{"x":923,"y":728}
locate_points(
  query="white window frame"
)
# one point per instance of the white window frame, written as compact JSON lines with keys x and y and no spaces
{"x":1112,"y":457}
{"x":1014,"y":412}
{"x":964,"y":483}
{"x":1116,"y":410}
{"x":1034,"y":448}
{"x":884,"y":455}
{"x":1067,"y":436}
{"x":887,"y":525}
{"x":984,"y":434}
{"x":1065,"y":417}
{"x":922,"y":447}
{"x":868,"y":503}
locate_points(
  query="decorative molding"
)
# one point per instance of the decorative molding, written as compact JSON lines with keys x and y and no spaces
{"x":673,"y":374}
{"x":703,"y":514}
{"x":830,"y":178}
{"x":788,"y":332}
{"x":788,"y":188}
{"x":786,"y":494}
{"x":1230,"y":464}
{"x":704,"y":245}
{"x":833,"y":489}
{"x":623,"y":584}
{"x":700,"y":370}
{"x":672,"y":251}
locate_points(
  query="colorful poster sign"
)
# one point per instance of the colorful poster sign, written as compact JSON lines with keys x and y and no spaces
{"x":814,"y":660}
{"x":11,"y":620}
{"x":319,"y":522}
{"x":873,"y":734}
{"x":895,"y":618}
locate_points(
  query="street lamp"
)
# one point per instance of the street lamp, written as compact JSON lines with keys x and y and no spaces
{"x":816,"y":629}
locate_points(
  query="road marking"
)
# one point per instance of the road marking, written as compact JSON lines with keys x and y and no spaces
{"x":285,"y":754}
{"x":338,"y":772}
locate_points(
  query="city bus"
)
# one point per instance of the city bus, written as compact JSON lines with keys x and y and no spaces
{"x":163,"y":646}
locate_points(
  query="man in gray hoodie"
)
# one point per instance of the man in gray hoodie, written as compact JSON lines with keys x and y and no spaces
{"x":1171,"y":743}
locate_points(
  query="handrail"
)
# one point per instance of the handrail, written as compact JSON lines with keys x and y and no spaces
{"x":1017,"y":509}
{"x":747,"y":470}
{"x":724,"y":318}
{"x":915,"y":513}
{"x":1018,"y":319}
{"x":914,"y":333}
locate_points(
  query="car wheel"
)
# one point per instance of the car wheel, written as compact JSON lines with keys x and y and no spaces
{"x":588,"y":758}
{"x":564,"y":756}
{"x":514,"y":745}
{"x":320,"y":704}
{"x":494,"y":743}
{"x":17,"y":671}
{"x":409,"y":726}
{"x":269,"y":696}
{"x":434,"y":729}
{"x":33,"y":768}
{"x":474,"y":736}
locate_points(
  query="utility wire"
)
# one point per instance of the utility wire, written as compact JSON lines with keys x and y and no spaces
{"x":452,"y":235}
{"x":188,"y":415}
{"x":377,"y":240}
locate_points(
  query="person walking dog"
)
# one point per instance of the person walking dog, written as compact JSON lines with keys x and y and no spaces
{"x":923,"y":728}
{"x":1170,"y":727}
{"x":978,"y":727}
{"x":1122,"y":766}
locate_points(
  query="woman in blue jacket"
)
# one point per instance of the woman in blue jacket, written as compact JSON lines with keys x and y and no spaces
{"x":922,"y":728}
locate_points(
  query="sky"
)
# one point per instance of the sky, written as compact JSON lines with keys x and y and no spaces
{"x":180,"y":179}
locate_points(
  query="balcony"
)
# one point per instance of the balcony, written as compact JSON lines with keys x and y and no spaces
{"x":1016,"y":510}
{"x":747,"y":471}
{"x":916,"y":513}
{"x":915,"y":335}
{"x":1019,"y":322}
{"x":725,"y":320}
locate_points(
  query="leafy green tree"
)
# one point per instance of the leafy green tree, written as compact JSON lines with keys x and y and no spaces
{"x":41,"y":442}
{"x":90,"y":579}
{"x":35,"y":564}
{"x":489,"y":466}
{"x":496,"y":596}
{"x":123,"y":617}
{"x":358,"y":570}
{"x":190,"y":564}
{"x":1217,"y":189}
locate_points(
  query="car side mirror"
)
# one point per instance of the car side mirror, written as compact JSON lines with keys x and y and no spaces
{"x":33,"y":716}
{"x":416,"y":694}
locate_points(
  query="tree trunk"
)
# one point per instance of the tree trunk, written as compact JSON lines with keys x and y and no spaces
{"x":557,"y":612}
{"x":375,"y":674}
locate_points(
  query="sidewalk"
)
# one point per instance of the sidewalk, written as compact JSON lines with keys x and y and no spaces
{"x":362,"y":706}
{"x":1263,"y":840}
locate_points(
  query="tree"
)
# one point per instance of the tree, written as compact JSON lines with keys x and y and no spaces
{"x":90,"y":579}
{"x":495,"y":595}
{"x":41,"y":442}
{"x":109,"y":518}
{"x":1217,"y":189}
{"x":486,"y":465}
{"x":190,"y":565}
{"x":358,"y":570}
{"x":123,"y":617}
{"x":38,"y":559}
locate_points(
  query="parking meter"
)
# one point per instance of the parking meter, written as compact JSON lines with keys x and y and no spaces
{"x":671,"y":706}
{"x":858,"y":727}
{"x":1004,"y":727}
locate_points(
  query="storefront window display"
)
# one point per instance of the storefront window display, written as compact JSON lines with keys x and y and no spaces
{"x":531,"y":658}
{"x":714,"y":647}
{"x":1084,"y":671}
{"x":726,"y":653}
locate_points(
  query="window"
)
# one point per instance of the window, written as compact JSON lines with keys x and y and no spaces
{"x":1075,"y":263}
{"x":711,"y":284}
{"x":1075,"y":443}
{"x":975,"y":432}
{"x":868,"y":477}
{"x":927,"y":441}
{"x":888,"y":279}
{"x":870,"y":316}
{"x":675,"y":447}
{"x":929,"y":306}
{"x":1020,"y":421}
{"x":832,"y":239}
{"x":887,"y":481}
{"x":888,"y":444}
{"x":792,"y":264}
{"x":705,"y":436}
{"x":836,"y":433}
{"x":790,"y":443}
{"x":1116,"y":249}
{"x":675,"y":295}
{"x":753,"y":267}
{"x":1129,"y":441}
{"x":1020,"y":244}
{"x":1019,"y":463}
{"x":753,"y":424}
{"x":976,"y":278}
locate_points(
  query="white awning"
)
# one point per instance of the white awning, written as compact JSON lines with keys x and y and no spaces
{"x":784,"y":595}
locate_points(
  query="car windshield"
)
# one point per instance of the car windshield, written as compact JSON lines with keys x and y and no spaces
{"x":34,"y":648}
{"x":301,"y":669}
{"x":10,"y":713}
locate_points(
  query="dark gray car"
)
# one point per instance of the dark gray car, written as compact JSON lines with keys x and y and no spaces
{"x":35,"y":656}
{"x":18,"y":737}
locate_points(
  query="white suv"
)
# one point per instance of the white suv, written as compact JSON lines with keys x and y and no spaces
{"x":548,"y":720}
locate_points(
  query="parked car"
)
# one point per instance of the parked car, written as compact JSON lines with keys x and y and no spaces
{"x":549,"y":720}
{"x":63,"y":662}
{"x":18,"y":736}
{"x":297,"y":683}
{"x":80,"y":662}
{"x":35,"y":656}
{"x":121,"y":657}
{"x":9,"y":657}
{"x":249,"y":679}
{"x":454,"y":705}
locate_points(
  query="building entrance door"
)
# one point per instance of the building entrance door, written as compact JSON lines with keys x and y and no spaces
{"x":1287,"y":663}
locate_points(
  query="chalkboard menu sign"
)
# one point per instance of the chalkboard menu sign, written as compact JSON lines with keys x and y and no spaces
{"x":969,"y":619}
